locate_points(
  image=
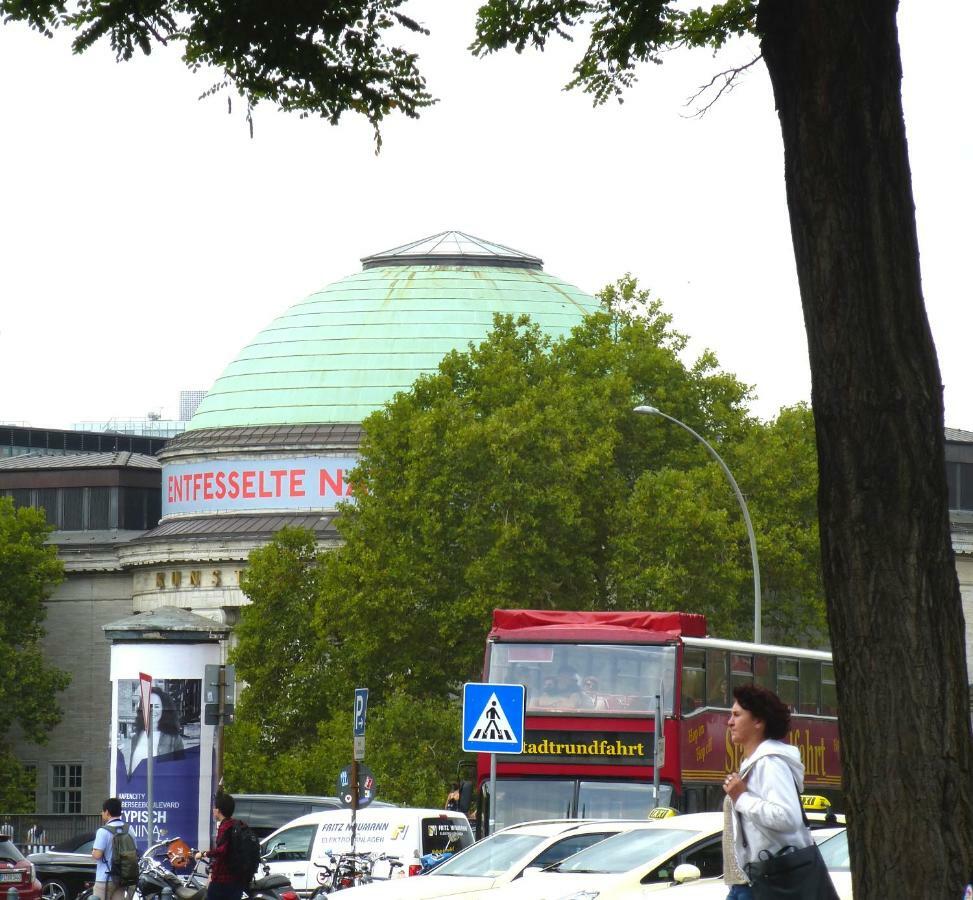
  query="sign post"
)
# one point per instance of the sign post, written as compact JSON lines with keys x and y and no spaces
{"x":657,"y":749}
{"x":358,"y":733}
{"x":145,"y":689}
{"x":219,"y":695}
{"x":493,"y":722}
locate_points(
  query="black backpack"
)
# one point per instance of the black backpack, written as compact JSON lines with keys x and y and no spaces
{"x":244,"y":857}
{"x":124,"y":855}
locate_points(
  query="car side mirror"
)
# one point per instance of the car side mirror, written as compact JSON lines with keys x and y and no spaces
{"x":686,"y":872}
{"x":533,"y":870}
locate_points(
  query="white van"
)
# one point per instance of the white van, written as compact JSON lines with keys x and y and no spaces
{"x":300,"y":848}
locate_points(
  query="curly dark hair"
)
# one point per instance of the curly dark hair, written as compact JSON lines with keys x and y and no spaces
{"x":224,"y":803}
{"x":766,"y":706}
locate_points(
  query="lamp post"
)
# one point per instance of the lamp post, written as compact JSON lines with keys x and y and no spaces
{"x":652,"y":411}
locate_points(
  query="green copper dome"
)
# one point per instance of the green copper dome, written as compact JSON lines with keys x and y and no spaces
{"x":346,"y":350}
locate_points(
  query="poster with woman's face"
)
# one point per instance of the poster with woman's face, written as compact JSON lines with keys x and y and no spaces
{"x":175,"y":717}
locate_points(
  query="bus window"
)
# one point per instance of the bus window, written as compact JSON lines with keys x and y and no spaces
{"x":765,"y":671}
{"x":693,"y":678}
{"x":523,"y":799}
{"x":717,"y":693}
{"x":600,"y":679}
{"x":810,"y":686}
{"x":741,"y":669}
{"x":829,"y":694}
{"x":787,"y":681}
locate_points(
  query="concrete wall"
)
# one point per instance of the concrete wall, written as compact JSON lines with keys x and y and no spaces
{"x":76,"y":643}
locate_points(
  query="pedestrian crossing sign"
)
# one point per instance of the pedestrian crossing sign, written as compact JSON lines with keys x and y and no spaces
{"x":493,"y":718}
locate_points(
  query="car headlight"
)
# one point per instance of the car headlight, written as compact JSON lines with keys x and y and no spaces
{"x":586,"y":894}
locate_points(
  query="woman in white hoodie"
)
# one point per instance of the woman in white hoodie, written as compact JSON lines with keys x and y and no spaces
{"x":765,"y":793}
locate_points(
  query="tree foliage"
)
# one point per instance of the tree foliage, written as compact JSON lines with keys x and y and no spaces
{"x":29,"y":571}
{"x":280,"y":658}
{"x":412,"y":749}
{"x":305,"y":56}
{"x":518,"y":476}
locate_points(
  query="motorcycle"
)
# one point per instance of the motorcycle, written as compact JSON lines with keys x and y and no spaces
{"x":270,"y":887}
{"x":155,"y":877}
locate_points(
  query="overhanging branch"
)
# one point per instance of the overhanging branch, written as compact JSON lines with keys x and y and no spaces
{"x":719,"y":84}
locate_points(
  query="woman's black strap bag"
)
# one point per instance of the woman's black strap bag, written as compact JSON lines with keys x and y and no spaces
{"x":792,"y":873}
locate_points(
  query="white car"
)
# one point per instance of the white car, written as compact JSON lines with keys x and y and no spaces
{"x":837,"y":859}
{"x":515,"y":853}
{"x":834,"y":850}
{"x":652,"y":856}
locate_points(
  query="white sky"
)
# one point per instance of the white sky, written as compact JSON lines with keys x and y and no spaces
{"x":145,"y":238}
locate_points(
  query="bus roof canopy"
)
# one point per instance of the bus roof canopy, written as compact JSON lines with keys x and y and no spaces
{"x":582,"y":626}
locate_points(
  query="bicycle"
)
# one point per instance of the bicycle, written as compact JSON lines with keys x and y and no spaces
{"x":347,"y":870}
{"x":342,"y":871}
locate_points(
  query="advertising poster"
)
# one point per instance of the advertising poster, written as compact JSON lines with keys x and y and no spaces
{"x":176,"y":706}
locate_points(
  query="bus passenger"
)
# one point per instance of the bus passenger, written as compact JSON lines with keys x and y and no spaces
{"x":547,"y":698}
{"x":589,"y":691}
{"x":568,"y":689}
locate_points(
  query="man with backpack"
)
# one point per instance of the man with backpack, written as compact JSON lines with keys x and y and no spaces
{"x":115,"y":854}
{"x":235,"y":853}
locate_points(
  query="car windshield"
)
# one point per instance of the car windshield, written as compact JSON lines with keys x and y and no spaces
{"x":490,"y":857}
{"x":625,"y":851}
{"x":835,"y":851}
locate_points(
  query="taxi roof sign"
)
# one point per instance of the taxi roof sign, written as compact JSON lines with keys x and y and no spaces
{"x":662,"y":812}
{"x":815,"y":802}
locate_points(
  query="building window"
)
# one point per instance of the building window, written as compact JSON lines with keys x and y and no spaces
{"x":98,"y":508}
{"x":72,"y":518}
{"x":959,"y":479}
{"x":30,"y":770}
{"x":66,"y":780}
{"x":47,"y":500}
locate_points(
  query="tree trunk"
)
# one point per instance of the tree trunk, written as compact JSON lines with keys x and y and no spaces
{"x":893,"y":598}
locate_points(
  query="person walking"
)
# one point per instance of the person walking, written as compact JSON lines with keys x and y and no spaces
{"x":224,"y":882}
{"x":107,"y":887}
{"x":764,"y":794}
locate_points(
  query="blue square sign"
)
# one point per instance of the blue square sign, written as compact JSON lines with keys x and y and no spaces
{"x":493,"y":718}
{"x":361,"y":710}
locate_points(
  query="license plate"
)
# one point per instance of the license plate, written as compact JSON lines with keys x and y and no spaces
{"x":10,"y":876}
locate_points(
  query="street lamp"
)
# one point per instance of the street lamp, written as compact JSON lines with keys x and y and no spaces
{"x":652,"y":411}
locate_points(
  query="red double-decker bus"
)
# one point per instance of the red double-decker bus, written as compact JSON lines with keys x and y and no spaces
{"x":597,"y":682}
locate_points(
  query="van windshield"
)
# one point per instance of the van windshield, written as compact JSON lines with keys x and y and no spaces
{"x":490,"y":857}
